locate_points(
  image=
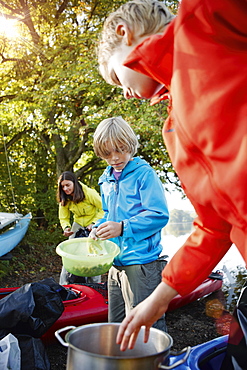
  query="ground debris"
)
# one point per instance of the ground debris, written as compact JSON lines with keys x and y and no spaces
{"x":188,"y":326}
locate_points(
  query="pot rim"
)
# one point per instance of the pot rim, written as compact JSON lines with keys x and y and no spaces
{"x":167,"y":349}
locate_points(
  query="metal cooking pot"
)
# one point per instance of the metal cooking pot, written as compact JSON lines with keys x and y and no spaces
{"x":94,"y":346}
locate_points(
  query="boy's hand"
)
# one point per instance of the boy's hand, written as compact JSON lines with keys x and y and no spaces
{"x":144,"y":314}
{"x":108,"y":230}
{"x":92,"y":234}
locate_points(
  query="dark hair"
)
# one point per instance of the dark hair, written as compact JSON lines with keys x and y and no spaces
{"x":78,"y":195}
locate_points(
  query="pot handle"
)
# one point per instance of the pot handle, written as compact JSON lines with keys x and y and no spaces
{"x":179,"y":362}
{"x":60,"y":339}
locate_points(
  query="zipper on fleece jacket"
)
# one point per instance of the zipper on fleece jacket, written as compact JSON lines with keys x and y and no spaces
{"x":116,"y":190}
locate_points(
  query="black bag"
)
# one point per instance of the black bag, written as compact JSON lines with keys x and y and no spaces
{"x":236,"y":351}
{"x":83,"y":232}
{"x":31,"y":309}
{"x":33,"y":353}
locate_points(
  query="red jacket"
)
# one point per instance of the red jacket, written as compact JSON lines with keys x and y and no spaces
{"x":202,"y":60}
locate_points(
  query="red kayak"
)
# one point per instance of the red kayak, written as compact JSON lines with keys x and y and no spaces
{"x":211,"y":284}
{"x":91,"y":304}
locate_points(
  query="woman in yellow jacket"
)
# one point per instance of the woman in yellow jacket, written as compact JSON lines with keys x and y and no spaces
{"x":84,"y":203}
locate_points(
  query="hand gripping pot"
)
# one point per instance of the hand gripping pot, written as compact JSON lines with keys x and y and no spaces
{"x":93,"y":346}
{"x":87,"y":257}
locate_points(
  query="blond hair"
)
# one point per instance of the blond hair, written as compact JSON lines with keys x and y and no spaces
{"x":117,"y":133}
{"x":147,"y":17}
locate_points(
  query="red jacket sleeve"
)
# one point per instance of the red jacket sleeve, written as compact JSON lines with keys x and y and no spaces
{"x":202,"y":251}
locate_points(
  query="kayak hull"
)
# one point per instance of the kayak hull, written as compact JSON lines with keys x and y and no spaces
{"x":12,"y":237}
{"x":207,"y":286}
{"x":206,"y":356}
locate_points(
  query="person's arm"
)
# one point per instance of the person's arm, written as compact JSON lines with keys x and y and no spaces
{"x":144,"y":314}
{"x":192,"y":263}
{"x":201,"y":252}
{"x":94,"y":198}
{"x":64,"y":216}
{"x":100,"y":221}
{"x":154,"y":215}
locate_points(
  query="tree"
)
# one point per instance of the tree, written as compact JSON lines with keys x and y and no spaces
{"x":52,"y":98}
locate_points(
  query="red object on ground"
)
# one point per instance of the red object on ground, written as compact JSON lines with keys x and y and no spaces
{"x":207,"y":286}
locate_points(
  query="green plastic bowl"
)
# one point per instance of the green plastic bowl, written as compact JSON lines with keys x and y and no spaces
{"x":87,"y":257}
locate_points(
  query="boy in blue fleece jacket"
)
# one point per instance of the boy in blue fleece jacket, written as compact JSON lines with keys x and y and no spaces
{"x":135,"y":209}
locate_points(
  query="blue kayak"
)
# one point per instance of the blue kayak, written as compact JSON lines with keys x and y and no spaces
{"x":206,"y":356}
{"x":10,"y":238}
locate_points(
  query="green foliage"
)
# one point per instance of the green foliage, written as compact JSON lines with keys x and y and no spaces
{"x":45,"y":236}
{"x":27,"y":258}
{"x":239,"y":275}
{"x":52,"y":98}
{"x":4,"y":268}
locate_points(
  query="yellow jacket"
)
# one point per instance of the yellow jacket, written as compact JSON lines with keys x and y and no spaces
{"x":86,"y":212}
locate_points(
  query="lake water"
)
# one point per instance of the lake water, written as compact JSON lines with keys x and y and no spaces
{"x":231,"y":260}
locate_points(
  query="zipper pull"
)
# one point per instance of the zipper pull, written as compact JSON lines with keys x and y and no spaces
{"x":116,"y":187}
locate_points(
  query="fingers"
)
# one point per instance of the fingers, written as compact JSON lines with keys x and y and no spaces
{"x":127,"y":337}
{"x":104,"y":231}
{"x":132,"y":339}
{"x":68,"y":233}
{"x":93,"y":235}
{"x":146,"y":334}
{"x":145,"y":313}
{"x":109,"y":229}
{"x":128,"y":333}
{"x":120,"y":333}
{"x":123,"y":336}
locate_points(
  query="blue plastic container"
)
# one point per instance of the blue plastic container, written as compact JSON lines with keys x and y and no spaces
{"x":206,"y":356}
